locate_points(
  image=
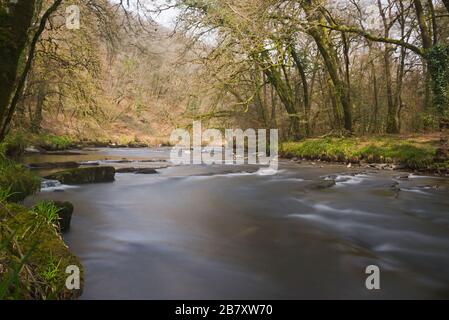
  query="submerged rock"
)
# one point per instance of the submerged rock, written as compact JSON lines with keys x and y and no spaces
{"x":322,"y":184}
{"x":126,"y":170}
{"x":152,"y":160}
{"x":90,"y":163}
{"x":65,"y":153}
{"x":138,"y":170}
{"x":84,"y":175}
{"x":65,"y":214}
{"x":53,"y":165}
{"x":146,"y":171}
{"x":118,"y":161}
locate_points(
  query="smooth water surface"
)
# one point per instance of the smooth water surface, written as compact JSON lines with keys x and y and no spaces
{"x":212,"y":232}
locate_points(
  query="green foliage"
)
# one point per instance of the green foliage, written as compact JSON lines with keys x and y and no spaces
{"x":429,"y":121}
{"x":50,"y":274}
{"x":48,"y":210}
{"x":16,"y":181}
{"x":331,"y":149}
{"x":5,"y":194}
{"x":438,"y":58}
{"x":33,"y":256}
{"x":375,"y":150}
{"x":14,"y":145}
{"x":55,"y":143}
{"x":16,"y":142}
{"x":10,"y":281}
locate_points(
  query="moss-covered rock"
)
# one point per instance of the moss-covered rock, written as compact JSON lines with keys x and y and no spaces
{"x":84,"y":175}
{"x":65,"y":211}
{"x":33,"y":256}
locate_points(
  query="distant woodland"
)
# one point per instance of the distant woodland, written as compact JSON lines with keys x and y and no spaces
{"x":309,"y":67}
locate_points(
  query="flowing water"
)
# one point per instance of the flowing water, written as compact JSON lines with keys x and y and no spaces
{"x":212,"y":232}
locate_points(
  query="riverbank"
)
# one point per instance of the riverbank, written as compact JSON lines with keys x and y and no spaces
{"x":394,"y":152}
{"x":18,"y":143}
{"x":33,"y":256}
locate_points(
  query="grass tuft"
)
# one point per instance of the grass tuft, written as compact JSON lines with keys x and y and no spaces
{"x":16,"y":181}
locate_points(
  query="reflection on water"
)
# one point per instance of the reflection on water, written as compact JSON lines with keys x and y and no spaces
{"x":234,"y":233}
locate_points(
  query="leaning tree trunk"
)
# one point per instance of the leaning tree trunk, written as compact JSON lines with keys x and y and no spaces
{"x":15,"y":21}
{"x":8,"y":25}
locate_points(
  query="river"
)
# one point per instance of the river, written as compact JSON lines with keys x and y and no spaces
{"x":214,"y":232}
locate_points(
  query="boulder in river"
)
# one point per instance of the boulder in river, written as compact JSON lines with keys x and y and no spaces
{"x":84,"y":175}
{"x":65,"y":214}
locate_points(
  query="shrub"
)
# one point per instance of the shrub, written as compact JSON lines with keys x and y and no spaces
{"x":55,"y":143}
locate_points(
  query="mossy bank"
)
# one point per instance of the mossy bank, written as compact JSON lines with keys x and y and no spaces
{"x":19,"y":142}
{"x":33,"y":256}
{"x":408,"y":152}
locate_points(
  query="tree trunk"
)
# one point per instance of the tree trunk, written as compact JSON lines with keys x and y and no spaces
{"x":424,"y":29}
{"x":392,"y":124}
{"x":376,"y":100}
{"x":305,"y":86}
{"x":15,"y":21}
{"x":285,"y":94}
{"x":330,"y":59}
{"x":37,"y":116}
